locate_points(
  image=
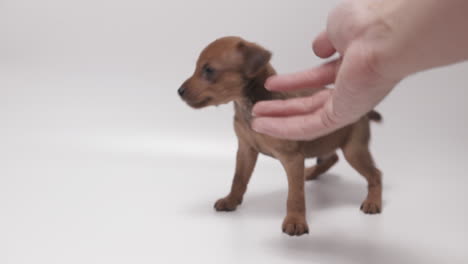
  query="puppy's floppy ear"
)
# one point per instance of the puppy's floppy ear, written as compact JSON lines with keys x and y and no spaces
{"x":255,"y":58}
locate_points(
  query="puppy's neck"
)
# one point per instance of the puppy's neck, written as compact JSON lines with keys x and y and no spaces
{"x":253,"y":92}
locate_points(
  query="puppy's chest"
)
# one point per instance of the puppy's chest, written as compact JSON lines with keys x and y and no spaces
{"x":255,"y":140}
{"x":262,"y":143}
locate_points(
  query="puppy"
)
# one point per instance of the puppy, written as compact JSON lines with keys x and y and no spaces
{"x":234,"y":70}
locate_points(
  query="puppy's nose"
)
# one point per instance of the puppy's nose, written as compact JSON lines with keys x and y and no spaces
{"x":181,"y":91}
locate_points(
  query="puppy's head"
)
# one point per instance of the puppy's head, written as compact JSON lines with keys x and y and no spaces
{"x":223,"y":70}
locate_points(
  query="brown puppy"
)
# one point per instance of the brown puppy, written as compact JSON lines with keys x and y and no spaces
{"x":232,"y":69}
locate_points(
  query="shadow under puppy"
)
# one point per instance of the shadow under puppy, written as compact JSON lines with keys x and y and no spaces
{"x":232,"y":69}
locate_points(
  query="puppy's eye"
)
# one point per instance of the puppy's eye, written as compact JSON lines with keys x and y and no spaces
{"x":208,"y":72}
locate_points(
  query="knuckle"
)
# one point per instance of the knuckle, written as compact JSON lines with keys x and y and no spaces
{"x":372,"y":60}
{"x":304,"y":106}
{"x":328,"y":120}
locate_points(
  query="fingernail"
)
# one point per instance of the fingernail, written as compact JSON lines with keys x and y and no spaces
{"x":268,"y":83}
{"x":254,"y":125}
{"x":252,"y":112}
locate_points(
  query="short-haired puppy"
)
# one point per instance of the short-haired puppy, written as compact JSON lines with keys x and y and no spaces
{"x":234,"y":70}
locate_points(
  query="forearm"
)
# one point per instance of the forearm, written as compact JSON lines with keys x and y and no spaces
{"x":421,"y":34}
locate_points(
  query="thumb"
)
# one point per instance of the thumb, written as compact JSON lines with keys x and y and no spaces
{"x":322,"y":46}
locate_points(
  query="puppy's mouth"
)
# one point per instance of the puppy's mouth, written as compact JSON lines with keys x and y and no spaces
{"x":202,"y":103}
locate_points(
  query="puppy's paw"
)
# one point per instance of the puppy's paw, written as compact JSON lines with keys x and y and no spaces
{"x":226,"y":204}
{"x":371,"y":207}
{"x":295,"y":225}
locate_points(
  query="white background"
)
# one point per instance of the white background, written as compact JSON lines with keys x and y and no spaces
{"x":100,"y":162}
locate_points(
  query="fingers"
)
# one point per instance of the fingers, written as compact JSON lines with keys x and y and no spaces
{"x":300,"y":127}
{"x":295,"y":106}
{"x":322,"y":46}
{"x":313,"y":78}
{"x":358,"y":90}
{"x":317,"y":77}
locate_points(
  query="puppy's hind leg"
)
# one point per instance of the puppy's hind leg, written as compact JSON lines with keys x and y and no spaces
{"x":324,"y":163}
{"x":356,"y":152}
{"x":246,"y":159}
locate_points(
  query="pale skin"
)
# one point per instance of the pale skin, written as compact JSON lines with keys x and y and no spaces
{"x":379,"y":43}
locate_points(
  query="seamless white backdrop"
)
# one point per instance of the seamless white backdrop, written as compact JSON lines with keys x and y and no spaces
{"x":100,"y":162}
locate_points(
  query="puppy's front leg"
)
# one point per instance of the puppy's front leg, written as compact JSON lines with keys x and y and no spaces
{"x":246,"y":159}
{"x":295,"y":223}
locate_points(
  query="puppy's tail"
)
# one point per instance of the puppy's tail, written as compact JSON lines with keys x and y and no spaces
{"x":375,"y":116}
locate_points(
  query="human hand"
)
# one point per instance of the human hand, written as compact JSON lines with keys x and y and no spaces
{"x":354,"y":30}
